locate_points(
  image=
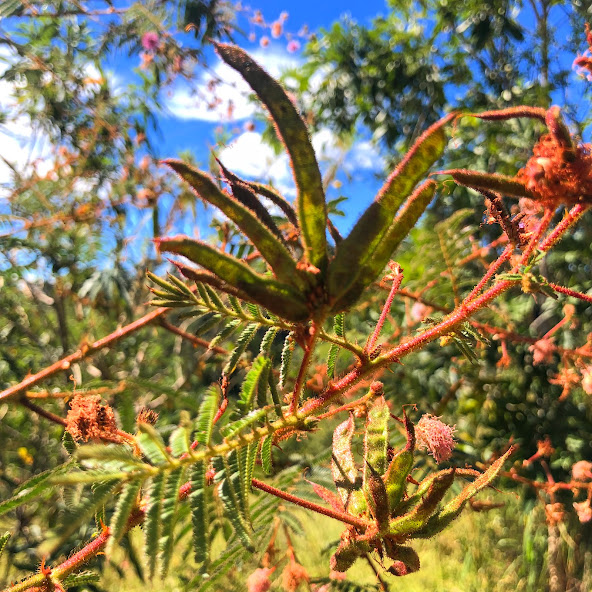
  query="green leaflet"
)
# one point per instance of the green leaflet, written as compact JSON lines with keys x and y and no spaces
{"x":453,"y":508}
{"x":170,"y":505}
{"x":230,"y":495}
{"x":126,"y":501}
{"x":32,"y":488}
{"x":214,"y":299}
{"x":226,"y":332}
{"x":344,"y":470}
{"x":339,"y":328}
{"x":199,"y":512}
{"x":241,"y":345}
{"x":102,"y":491}
{"x":287,"y":350}
{"x":418,"y":516}
{"x":179,"y":441}
{"x":4,"y":541}
{"x":272,"y":249}
{"x":251,"y":419}
{"x":280,"y":298}
{"x":266,"y":460}
{"x":489,"y":181}
{"x":267,"y":341}
{"x":121,"y":454}
{"x":353,"y":256}
{"x":152,"y":522}
{"x":312,"y":210}
{"x":152,"y":445}
{"x":204,"y":423}
{"x":405,"y":220}
{"x":255,"y":380}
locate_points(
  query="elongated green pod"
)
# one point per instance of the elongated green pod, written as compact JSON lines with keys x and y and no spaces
{"x":399,"y":468}
{"x":453,"y":508}
{"x":271,"y":247}
{"x":376,"y":437}
{"x":489,"y":181}
{"x":405,"y":220}
{"x":354,"y":254}
{"x":419,"y":515}
{"x":343,"y":467}
{"x":246,"y":195}
{"x":312,"y":209}
{"x":405,"y":559}
{"x":271,"y":194}
{"x":279,"y":298}
{"x":376,"y":498}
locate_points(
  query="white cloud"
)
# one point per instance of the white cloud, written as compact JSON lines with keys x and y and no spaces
{"x":186,"y":104}
{"x":250,"y":157}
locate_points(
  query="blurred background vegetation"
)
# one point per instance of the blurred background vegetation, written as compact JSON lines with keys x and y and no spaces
{"x":77,"y":216}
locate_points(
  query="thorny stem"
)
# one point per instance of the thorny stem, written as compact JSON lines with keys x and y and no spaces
{"x":397,"y":278}
{"x":506,"y":254}
{"x":192,"y":338}
{"x":569,"y":292}
{"x":341,"y":516}
{"x":81,"y":353}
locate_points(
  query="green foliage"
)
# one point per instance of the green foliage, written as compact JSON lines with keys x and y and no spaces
{"x":220,"y":377}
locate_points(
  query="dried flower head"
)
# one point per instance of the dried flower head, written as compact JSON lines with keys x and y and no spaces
{"x":558,"y":174}
{"x":436,"y":436}
{"x":293,"y":575}
{"x":148,"y":416}
{"x":555,"y":513}
{"x":544,"y":447}
{"x":582,"y":470}
{"x":259,"y":580}
{"x":583,"y":510}
{"x":88,"y":420}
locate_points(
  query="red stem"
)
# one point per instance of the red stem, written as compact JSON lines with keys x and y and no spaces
{"x":82,"y":352}
{"x":341,"y":516}
{"x":397,"y":279}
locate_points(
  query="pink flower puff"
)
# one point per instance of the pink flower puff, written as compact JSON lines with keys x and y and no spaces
{"x":150,"y":41}
{"x":583,"y":510}
{"x":436,"y":436}
{"x":259,"y":580}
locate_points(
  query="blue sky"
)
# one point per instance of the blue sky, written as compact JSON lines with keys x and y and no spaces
{"x":188,"y":126}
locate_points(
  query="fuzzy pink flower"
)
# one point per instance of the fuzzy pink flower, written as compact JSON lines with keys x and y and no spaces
{"x":150,"y":41}
{"x":419,"y":311}
{"x":259,"y":580}
{"x":582,"y":470}
{"x":293,"y":46}
{"x":587,"y":380}
{"x":542,"y":351}
{"x":583,"y":510}
{"x":264,"y":41}
{"x":436,"y":436}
